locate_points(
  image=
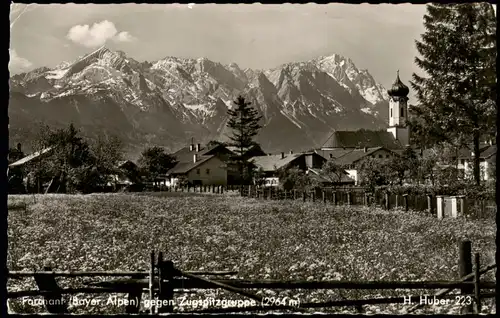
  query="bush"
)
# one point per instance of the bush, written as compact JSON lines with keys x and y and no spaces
{"x":470,"y":191}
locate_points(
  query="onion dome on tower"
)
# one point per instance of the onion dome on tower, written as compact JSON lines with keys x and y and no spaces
{"x":398,"y":89}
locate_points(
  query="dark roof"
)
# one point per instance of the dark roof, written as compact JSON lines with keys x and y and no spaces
{"x":486,"y":151}
{"x":362,"y":138}
{"x":335,"y":153}
{"x":186,"y":155}
{"x":185,"y":167}
{"x":184,"y":158}
{"x":489,"y":152}
{"x":255,"y":150}
{"x":30,"y":157}
{"x":124,"y":163}
{"x":274,"y":162}
{"x":356,"y":155}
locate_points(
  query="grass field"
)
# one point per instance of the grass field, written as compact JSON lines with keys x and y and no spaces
{"x":259,"y":239}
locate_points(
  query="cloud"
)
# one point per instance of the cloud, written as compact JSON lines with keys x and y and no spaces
{"x":124,"y":36}
{"x":97,"y":34}
{"x":18,"y":64}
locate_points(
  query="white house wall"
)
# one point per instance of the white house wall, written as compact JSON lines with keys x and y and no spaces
{"x":217,"y":172}
{"x":353,"y":173}
{"x":467,"y":166}
{"x":272,"y":182}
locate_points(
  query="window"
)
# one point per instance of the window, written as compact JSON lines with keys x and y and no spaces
{"x":197,"y":171}
{"x":402,"y":112}
{"x":208,"y":171}
{"x":391,"y":112}
{"x":380,"y":156}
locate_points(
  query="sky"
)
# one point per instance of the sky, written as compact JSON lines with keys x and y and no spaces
{"x":380,"y":38}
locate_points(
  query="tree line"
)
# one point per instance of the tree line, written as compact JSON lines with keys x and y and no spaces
{"x":456,"y":108}
{"x":78,"y":164}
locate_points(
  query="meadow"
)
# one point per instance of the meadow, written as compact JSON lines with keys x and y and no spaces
{"x":260,"y":239}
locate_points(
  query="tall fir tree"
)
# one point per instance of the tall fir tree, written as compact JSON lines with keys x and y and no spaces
{"x":457,"y":99}
{"x":244,"y":122}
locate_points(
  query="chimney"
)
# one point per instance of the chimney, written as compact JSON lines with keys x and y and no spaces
{"x":191,"y":147}
{"x":291,"y":152}
{"x":365,"y":149}
{"x":195,"y":158}
{"x":19,"y":147}
{"x":197,"y":147}
{"x":282,"y":155}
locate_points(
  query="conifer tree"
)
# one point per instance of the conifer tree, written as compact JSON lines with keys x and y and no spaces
{"x":244,"y":122}
{"x":457,"y":97}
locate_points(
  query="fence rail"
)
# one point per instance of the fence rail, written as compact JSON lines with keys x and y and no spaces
{"x":440,"y":206}
{"x":164,"y":280}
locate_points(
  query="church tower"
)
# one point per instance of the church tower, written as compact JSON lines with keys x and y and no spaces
{"x":398,"y":112}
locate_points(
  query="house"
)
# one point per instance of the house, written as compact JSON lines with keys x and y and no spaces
{"x":350,"y":159}
{"x":200,"y":165}
{"x":325,"y":181}
{"x":31,"y":158}
{"x":18,"y":170}
{"x":15,"y":154}
{"x":487,"y":159}
{"x":271,"y":164}
{"x":126,"y":176}
{"x":254,"y":151}
{"x":395,"y":137}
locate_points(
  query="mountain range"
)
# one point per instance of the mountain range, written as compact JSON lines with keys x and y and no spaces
{"x":170,"y":101}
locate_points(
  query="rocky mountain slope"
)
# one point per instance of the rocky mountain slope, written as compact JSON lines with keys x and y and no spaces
{"x":172,"y":100}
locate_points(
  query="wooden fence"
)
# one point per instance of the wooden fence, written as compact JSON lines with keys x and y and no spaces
{"x":163,"y":281}
{"x":359,"y":196}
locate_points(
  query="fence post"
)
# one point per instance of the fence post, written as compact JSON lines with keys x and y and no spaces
{"x":303,"y":196}
{"x":465,"y":268}
{"x":134,"y":299}
{"x":334,"y":197}
{"x":463,"y":205}
{"x":294,"y":194}
{"x":54,"y":302}
{"x":477,"y":291}
{"x":166,"y":291}
{"x":221,"y":189}
{"x":323,"y":193}
{"x":387,"y":202}
{"x":349,"y":198}
{"x":151,"y":281}
{"x":440,"y":206}
{"x":405,"y":201}
{"x":454,"y":207}
{"x":430,"y":206}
